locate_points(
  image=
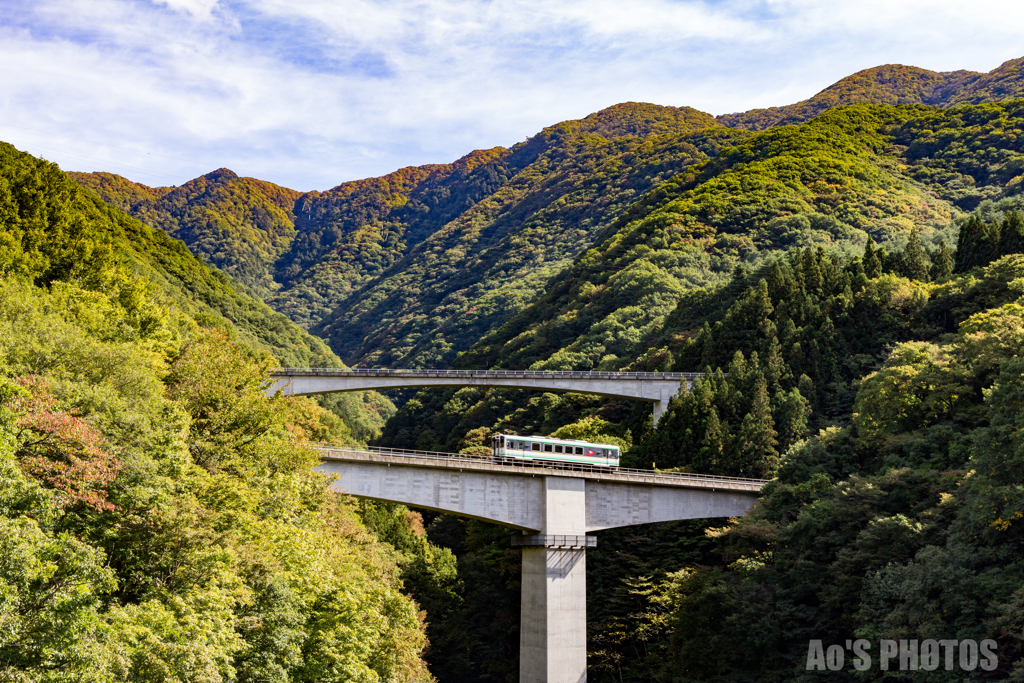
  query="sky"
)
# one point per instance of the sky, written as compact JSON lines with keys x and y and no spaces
{"x":312,"y":93}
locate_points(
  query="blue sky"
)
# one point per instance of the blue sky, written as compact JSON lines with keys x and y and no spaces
{"x":311,"y":93}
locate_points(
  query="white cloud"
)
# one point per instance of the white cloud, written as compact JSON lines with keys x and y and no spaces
{"x":312,"y":93}
{"x":202,"y":9}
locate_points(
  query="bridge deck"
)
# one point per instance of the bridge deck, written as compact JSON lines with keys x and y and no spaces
{"x":482,"y":374}
{"x":486,"y":464}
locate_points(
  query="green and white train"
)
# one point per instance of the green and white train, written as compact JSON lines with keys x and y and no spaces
{"x":563,"y":452}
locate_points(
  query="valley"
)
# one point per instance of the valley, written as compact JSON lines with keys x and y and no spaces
{"x":846,"y":270}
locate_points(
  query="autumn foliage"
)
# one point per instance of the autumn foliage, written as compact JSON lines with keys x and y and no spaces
{"x":60,"y":449}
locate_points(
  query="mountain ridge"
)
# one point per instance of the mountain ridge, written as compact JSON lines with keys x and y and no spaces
{"x":344,"y":262}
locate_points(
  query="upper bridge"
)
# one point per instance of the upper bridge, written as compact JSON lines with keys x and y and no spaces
{"x":655,"y":387}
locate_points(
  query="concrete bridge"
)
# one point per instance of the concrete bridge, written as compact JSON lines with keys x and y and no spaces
{"x":654,"y":387}
{"x":552,"y":509}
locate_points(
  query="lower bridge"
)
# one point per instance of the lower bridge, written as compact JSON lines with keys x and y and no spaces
{"x":552,"y":510}
{"x":654,"y":387}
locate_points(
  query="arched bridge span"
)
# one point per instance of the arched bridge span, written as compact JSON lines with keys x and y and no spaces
{"x":655,"y":387}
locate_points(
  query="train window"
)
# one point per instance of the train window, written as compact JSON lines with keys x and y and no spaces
{"x":558,"y":449}
{"x":579,"y":450}
{"x":534,"y":446}
{"x":547,"y":448}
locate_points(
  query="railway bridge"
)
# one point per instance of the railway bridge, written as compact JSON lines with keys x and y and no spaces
{"x":552,"y":510}
{"x":654,"y":387}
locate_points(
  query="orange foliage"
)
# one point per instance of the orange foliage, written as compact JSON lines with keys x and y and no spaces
{"x":61,"y":450}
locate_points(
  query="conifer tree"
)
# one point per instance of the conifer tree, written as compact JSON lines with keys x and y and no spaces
{"x":976,"y":245}
{"x":915,"y":260}
{"x":730,"y":397}
{"x":872,"y":264}
{"x":774,"y":367}
{"x":793,"y":413}
{"x":1011,"y":234}
{"x":708,"y":350}
{"x":757,"y":454}
{"x":713,"y":445}
{"x":812,"y":271}
{"x":778,"y":283}
{"x":761,"y":308}
{"x":806,"y":387}
{"x":942,"y":264}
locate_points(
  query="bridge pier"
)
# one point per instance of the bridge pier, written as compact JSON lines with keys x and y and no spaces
{"x":553,"y":616}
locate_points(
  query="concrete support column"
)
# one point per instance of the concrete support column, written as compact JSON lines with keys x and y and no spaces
{"x":659,"y":408}
{"x":553,"y":627}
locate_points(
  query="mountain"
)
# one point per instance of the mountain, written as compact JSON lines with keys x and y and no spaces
{"x":888,"y":84}
{"x":240,"y":225}
{"x":330,"y":260}
{"x":999,"y":84}
{"x":885,"y":173}
{"x":892,"y":84}
{"x":472,"y":274}
{"x":102,"y":233}
{"x":879,"y":385}
{"x":411,"y":268}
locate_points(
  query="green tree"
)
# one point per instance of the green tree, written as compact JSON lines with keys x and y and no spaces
{"x":793,"y":417}
{"x":942,"y":263}
{"x":915,"y":260}
{"x":872,"y":263}
{"x":1011,"y":234}
{"x":756,"y":452}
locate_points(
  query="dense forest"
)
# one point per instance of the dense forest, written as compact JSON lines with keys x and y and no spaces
{"x":159,"y":516}
{"x":848,"y":272}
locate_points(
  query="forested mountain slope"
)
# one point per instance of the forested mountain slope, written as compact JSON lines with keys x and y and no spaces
{"x":46,"y":200}
{"x":160,"y":519}
{"x":471,"y":275}
{"x":892,"y":84}
{"x":877,"y":383}
{"x":350,"y":235}
{"x":240,"y":225}
{"x":411,"y":267}
{"x":885,"y":173}
{"x":327,"y":248}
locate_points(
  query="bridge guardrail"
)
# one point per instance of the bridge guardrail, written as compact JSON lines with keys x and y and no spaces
{"x":484,"y":374}
{"x":487,"y":459}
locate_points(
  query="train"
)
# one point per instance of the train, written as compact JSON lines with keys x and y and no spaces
{"x":549,"y":450}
